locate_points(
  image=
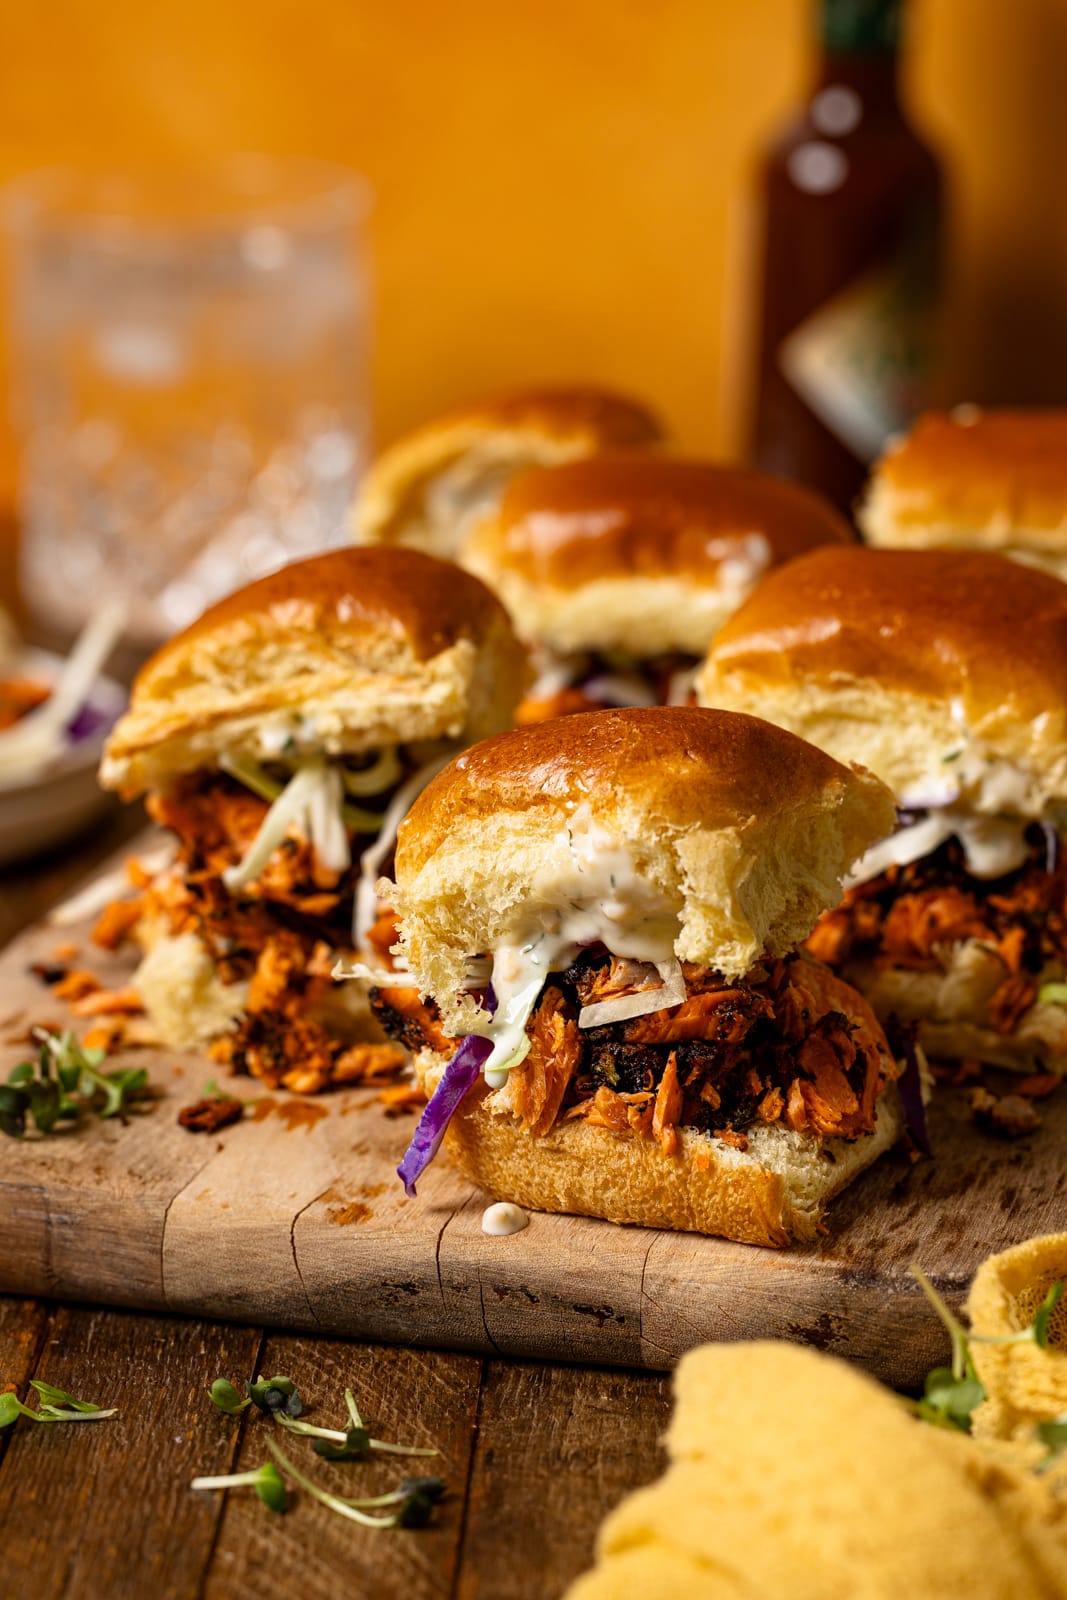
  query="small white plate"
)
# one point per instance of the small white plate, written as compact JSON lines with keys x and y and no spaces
{"x":56,"y":803}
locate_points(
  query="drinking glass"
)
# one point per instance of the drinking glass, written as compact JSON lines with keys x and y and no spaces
{"x":189,"y":381}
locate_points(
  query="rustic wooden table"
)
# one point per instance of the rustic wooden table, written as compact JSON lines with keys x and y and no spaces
{"x":534,"y":1454}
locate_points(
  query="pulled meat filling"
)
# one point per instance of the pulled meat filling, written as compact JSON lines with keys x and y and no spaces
{"x":656,"y":675}
{"x":279,"y":934}
{"x":910,"y":915}
{"x":790,"y":1043}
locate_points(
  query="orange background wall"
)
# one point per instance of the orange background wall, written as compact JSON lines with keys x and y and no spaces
{"x":559,"y":182}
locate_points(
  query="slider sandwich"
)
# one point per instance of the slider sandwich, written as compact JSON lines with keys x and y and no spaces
{"x":978,"y":480}
{"x":600,"y":917}
{"x":944,"y":672}
{"x":433,"y":484}
{"x":619,"y":570}
{"x":280,"y":739}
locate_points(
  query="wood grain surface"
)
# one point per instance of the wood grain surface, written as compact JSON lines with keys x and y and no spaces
{"x":568,"y":1441}
{"x":294,"y":1218}
{"x":533,"y":1456}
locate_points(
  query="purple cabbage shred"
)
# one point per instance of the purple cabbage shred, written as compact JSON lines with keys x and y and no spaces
{"x":459,"y":1077}
{"x":90,"y":720}
{"x":911,"y":1092}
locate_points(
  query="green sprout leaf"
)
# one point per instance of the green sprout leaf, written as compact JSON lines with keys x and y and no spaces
{"x":949,"y":1402}
{"x":266,"y":1480}
{"x":352,"y":1509}
{"x":11,"y":1409}
{"x":275,"y":1396}
{"x":63,"y":1082}
{"x":1052,"y":994}
{"x":14,"y":1107}
{"x":351,"y":1443}
{"x":420,"y":1497}
{"x":271,"y":1487}
{"x":1038,"y":1329}
{"x":356,"y":1446}
{"x":57,"y":1406}
{"x":952,"y":1394}
{"x":1052,"y":1434}
{"x":227,"y":1397}
{"x":59,"y":1397}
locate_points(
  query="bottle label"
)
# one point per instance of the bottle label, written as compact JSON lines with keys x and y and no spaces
{"x":860,"y":27}
{"x":866,"y":361}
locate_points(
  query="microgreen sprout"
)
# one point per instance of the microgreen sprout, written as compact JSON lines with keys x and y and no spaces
{"x":414,"y":1501}
{"x":276,"y":1396}
{"x":1037,"y":1332}
{"x":410,"y":1506}
{"x":1052,"y":1434}
{"x":353,"y":1442}
{"x":228,"y":1398}
{"x":56,"y":1406}
{"x":355,"y":1446}
{"x":266,"y":1480}
{"x":63,"y":1082}
{"x":951,"y":1395}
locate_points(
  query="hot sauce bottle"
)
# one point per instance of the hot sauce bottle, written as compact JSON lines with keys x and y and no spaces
{"x":848,"y":321}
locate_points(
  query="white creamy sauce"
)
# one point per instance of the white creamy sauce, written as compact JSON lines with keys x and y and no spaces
{"x":978,"y":782}
{"x":554,"y":673}
{"x":365,"y":908}
{"x":743,"y":562}
{"x":503,"y":1218}
{"x":992,"y":846}
{"x":983,"y":801}
{"x":465,"y":493}
{"x":593,"y":895}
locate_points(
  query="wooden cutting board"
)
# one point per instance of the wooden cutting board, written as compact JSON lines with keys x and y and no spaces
{"x":295,"y":1217}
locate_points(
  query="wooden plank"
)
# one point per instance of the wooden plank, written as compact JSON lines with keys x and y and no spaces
{"x":586,"y":1307}
{"x":415,"y":1397}
{"x":104,"y":1508}
{"x":22,"y":1330}
{"x":568,"y":1442}
{"x":309,"y":1229}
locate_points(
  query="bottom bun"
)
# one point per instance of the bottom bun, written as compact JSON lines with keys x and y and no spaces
{"x":951,"y":1007}
{"x":773,"y":1193}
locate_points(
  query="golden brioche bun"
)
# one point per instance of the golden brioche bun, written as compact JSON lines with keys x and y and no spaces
{"x":984,"y":480}
{"x":645,"y":554}
{"x":900,"y":659}
{"x":741,"y":831}
{"x":773,"y":1193}
{"x":343,"y":653}
{"x":424,"y":490}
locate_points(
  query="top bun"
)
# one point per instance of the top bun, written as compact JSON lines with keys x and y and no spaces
{"x":981,"y":480}
{"x":429,"y":487}
{"x":644,"y":554}
{"x":339,"y":654}
{"x":732,"y":829}
{"x":914,"y":663}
